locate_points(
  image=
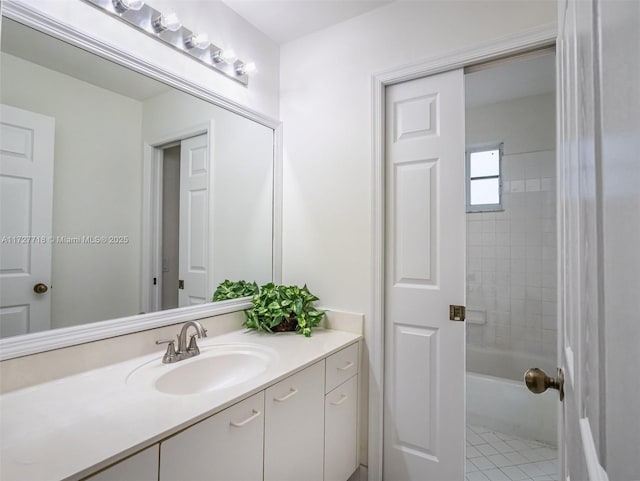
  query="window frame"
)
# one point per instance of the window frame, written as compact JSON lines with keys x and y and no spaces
{"x":483,"y":148}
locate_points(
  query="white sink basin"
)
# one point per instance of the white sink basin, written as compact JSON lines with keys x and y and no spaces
{"x":217,"y":367}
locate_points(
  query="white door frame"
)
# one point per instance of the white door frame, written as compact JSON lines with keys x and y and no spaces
{"x":543,"y":36}
{"x":152,"y":209}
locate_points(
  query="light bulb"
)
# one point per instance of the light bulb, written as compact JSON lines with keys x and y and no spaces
{"x":229,"y":56}
{"x":200,"y":40}
{"x":245,"y":68}
{"x":166,"y":21}
{"x":124,"y":5}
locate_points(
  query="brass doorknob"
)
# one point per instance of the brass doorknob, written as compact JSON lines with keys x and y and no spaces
{"x":538,"y":382}
{"x":40,"y":288}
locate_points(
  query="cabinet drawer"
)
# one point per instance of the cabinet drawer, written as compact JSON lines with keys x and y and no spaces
{"x":341,"y":431}
{"x":341,"y":366}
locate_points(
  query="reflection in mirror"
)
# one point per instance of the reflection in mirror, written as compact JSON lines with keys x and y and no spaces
{"x":119,"y":194}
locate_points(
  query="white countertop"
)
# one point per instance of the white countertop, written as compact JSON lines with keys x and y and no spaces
{"x":71,"y":427}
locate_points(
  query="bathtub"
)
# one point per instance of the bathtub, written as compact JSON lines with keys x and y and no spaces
{"x":506,"y":405}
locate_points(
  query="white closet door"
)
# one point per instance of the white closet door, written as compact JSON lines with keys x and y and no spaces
{"x":425,"y":261}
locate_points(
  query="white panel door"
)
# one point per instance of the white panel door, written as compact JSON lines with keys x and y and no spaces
{"x":577,"y":244}
{"x":26,"y":197}
{"x":424,"y":273}
{"x":599,"y":235}
{"x":194,"y":263}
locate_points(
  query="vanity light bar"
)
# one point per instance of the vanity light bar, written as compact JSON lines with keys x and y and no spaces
{"x":167,"y":28}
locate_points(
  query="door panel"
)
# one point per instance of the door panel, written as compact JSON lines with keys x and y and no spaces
{"x":424,"y":263}
{"x":582,"y":446}
{"x":26,"y":197}
{"x":194,"y":261}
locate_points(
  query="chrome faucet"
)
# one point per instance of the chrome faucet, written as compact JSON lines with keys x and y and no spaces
{"x":184,"y":351}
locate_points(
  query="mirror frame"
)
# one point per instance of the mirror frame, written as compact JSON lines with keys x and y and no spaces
{"x":37,"y":342}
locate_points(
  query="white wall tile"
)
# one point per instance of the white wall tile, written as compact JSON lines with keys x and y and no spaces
{"x":532,"y":185}
{"x":515,"y":281}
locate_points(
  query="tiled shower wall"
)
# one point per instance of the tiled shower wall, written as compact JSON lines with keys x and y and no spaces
{"x":511,"y":254}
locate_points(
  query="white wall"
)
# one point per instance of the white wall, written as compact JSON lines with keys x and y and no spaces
{"x":326,"y":108}
{"x":96,"y":190}
{"x":511,"y":254}
{"x":224,"y":26}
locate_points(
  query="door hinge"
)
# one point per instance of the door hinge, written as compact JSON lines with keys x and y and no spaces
{"x":457,"y":313}
{"x":155,"y":281}
{"x":180,"y":284}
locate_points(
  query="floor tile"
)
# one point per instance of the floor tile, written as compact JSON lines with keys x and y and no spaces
{"x":469,"y":467}
{"x":516,"y":458}
{"x":495,"y":475}
{"x":547,"y":467}
{"x":475,"y":439}
{"x":490,"y":438}
{"x":472,"y":452}
{"x":502,"y":447}
{"x":531,"y":470}
{"x":477,"y":476}
{"x":483,"y":463}
{"x":517,"y":444}
{"x":488,"y":450}
{"x":495,"y":456}
{"x":500,"y":460}
{"x":549,"y":453}
{"x":532,"y":455}
{"x":514,"y":473}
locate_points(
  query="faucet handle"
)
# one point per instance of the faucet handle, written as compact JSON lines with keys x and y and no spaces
{"x":171,"y":355}
{"x":193,"y":349}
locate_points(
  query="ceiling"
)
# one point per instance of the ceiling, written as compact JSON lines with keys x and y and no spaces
{"x":511,"y":79}
{"x":287,"y":20}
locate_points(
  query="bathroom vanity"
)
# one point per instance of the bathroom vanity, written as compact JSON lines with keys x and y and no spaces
{"x":251,"y":406}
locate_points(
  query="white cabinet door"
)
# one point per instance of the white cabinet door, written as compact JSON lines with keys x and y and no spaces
{"x":139,"y":467}
{"x":340,"y":434}
{"x":224,"y":447}
{"x":294,"y":427}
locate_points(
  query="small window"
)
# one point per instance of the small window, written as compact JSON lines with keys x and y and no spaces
{"x":484,"y":178}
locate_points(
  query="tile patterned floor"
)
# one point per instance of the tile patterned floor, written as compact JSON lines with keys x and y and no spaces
{"x":495,"y":456}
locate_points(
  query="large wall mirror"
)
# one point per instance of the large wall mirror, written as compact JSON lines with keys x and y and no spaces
{"x":121,"y":195}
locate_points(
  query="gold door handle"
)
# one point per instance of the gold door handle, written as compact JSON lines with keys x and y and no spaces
{"x":538,"y":382}
{"x":40,"y":288}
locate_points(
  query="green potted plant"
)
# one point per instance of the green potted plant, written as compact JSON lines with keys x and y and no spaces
{"x":234,"y":289}
{"x":283,"y":308}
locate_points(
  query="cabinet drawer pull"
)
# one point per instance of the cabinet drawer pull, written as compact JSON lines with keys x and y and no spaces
{"x":348,"y":366}
{"x":343,"y":398}
{"x":246,"y":421}
{"x":293,"y":392}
